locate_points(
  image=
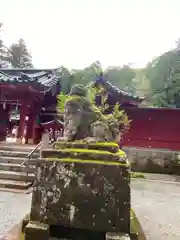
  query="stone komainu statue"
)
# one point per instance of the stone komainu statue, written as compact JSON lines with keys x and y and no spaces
{"x":84,"y":120}
{"x":82,"y":189}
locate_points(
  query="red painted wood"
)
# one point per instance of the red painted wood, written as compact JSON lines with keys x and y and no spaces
{"x":150,"y":128}
{"x":22,"y":121}
{"x":157,"y":128}
{"x":3,"y":123}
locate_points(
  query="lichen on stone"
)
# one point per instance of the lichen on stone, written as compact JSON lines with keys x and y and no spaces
{"x":84,"y":180}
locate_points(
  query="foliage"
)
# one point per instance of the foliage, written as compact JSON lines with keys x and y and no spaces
{"x":141,"y":83}
{"x":118,"y":119}
{"x":18,"y":56}
{"x":3,"y":52}
{"x":137,"y":175}
{"x":121,"y":77}
{"x":164,"y":75}
{"x":66,"y":78}
{"x":61,"y":99}
{"x":87,"y":75}
{"x":159,"y":81}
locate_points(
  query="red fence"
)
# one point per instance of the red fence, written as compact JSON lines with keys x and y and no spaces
{"x":153,"y":128}
{"x":150,"y":128}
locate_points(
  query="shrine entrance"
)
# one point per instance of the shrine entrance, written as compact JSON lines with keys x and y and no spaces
{"x":23,"y":125}
{"x":23,"y":94}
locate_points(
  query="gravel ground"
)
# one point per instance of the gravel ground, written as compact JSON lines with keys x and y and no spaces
{"x":13,"y":207}
{"x":157,"y":206}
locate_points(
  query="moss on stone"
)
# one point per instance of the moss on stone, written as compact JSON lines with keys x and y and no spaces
{"x":134,"y":222}
{"x":107,"y":146}
{"x":85,"y":178}
{"x":137,"y":175}
{"x":70,"y":160}
{"x":136,"y":231}
{"x":84,"y":154}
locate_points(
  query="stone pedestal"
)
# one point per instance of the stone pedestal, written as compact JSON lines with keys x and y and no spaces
{"x":117,"y":236}
{"x":37,"y":231}
{"x":83,"y":188}
{"x":82,"y":194}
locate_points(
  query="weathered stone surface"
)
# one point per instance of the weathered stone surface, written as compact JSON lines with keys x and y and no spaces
{"x":153,"y":160}
{"x":83,"y":194}
{"x":83,"y":119}
{"x":106,"y":146}
{"x":37,"y":231}
{"x":117,"y":236}
{"x":84,"y":187}
{"x":84,"y":154}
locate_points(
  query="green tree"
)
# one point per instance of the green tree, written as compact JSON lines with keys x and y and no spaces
{"x":66,"y":79}
{"x":121,"y":77}
{"x":18,"y":56}
{"x":141,"y":83}
{"x":3,"y":52}
{"x":88,"y":74}
{"x":164,"y":75}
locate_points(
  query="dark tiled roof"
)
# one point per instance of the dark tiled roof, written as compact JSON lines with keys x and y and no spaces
{"x":38,"y":79}
{"x":118,"y":94}
{"x":122,"y":94}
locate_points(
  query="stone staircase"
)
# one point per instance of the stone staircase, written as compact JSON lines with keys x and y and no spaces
{"x":14,"y":175}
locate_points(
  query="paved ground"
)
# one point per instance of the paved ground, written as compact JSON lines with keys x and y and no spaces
{"x":157,"y":205}
{"x":13,"y":207}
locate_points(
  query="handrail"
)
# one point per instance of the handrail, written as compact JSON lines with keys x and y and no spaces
{"x":30,"y":154}
{"x":37,"y":146}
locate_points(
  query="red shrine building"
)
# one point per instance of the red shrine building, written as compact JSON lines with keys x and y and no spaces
{"x":150,"y":127}
{"x":28,"y":92}
{"x":33,"y":94}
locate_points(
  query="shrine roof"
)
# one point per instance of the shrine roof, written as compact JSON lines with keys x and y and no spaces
{"x":124,"y":98}
{"x":38,"y":79}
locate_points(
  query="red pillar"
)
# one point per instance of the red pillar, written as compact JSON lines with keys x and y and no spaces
{"x":3,"y":123}
{"x":22,"y":121}
{"x":30,"y":127}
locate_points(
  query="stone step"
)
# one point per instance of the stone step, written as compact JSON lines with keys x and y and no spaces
{"x":18,"y":154}
{"x":16,"y":160}
{"x":4,"y":184}
{"x":18,"y":148}
{"x":17,"y":176}
{"x":17,"y":167}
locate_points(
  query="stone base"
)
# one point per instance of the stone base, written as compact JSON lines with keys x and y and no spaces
{"x":37,"y":231}
{"x":117,"y":236}
{"x":60,"y":232}
{"x":82,"y":194}
{"x":153,"y":160}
